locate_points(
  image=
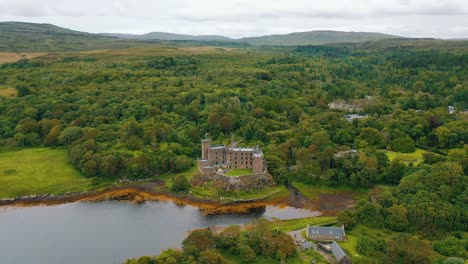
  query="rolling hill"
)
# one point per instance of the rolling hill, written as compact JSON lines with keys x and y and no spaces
{"x":32,"y":37}
{"x":301,"y":38}
{"x":318,"y":37}
{"x":168,"y":36}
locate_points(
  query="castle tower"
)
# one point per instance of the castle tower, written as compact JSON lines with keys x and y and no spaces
{"x":257,"y":164}
{"x":206,"y":146}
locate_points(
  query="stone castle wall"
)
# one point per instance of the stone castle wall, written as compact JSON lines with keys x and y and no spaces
{"x":245,"y":182}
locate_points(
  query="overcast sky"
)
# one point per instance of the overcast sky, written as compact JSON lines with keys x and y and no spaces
{"x":241,"y":18}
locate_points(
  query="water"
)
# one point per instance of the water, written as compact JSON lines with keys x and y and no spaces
{"x":107,"y":232}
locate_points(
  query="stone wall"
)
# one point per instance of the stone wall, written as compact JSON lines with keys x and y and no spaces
{"x":245,"y":182}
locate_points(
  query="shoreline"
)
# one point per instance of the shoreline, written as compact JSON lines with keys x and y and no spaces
{"x":139,"y":193}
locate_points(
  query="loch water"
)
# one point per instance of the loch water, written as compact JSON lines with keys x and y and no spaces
{"x":108,"y":232}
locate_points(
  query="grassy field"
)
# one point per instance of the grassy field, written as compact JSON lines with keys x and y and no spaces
{"x":415,"y":158}
{"x":40,"y":171}
{"x":313,"y":191}
{"x":208,"y":191}
{"x":239,"y":172}
{"x":7,"y":91}
{"x":296,"y":224}
{"x":6,"y":57}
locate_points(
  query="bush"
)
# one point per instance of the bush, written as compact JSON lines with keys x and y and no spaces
{"x":180,"y":184}
{"x":212,"y":257}
{"x":370,"y":246}
{"x":451,"y":246}
{"x":199,"y":241}
{"x":432,"y":158}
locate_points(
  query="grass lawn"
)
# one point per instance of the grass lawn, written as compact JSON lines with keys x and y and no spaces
{"x":208,"y":191}
{"x":7,"y":91}
{"x":239,"y":172}
{"x":407,"y":158}
{"x":41,"y":171}
{"x":313,"y":191}
{"x":296,"y":224}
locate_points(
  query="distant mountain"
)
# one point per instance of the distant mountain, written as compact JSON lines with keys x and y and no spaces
{"x":318,"y":37}
{"x":169,"y":36}
{"x":301,"y":38}
{"x":29,"y":37}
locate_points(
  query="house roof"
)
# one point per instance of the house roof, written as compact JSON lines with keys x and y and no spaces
{"x":337,"y":251}
{"x":307,"y":245}
{"x":326,"y":231}
{"x":242,"y":149}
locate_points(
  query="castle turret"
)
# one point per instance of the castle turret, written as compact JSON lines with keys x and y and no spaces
{"x":258,"y":161}
{"x":206,"y":145}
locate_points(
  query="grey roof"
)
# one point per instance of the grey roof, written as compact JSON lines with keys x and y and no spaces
{"x":242,"y":149}
{"x":218,"y":147}
{"x":326,"y":231}
{"x":337,"y":251}
{"x":307,"y":245}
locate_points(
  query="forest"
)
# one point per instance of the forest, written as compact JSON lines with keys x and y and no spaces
{"x":140,"y":113}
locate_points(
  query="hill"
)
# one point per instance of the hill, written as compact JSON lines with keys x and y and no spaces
{"x":292,"y":39}
{"x":318,"y":37}
{"x":30,"y":37}
{"x":168,"y":36}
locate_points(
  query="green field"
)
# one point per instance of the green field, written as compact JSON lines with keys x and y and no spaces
{"x":40,"y":171}
{"x":208,"y":191}
{"x":314,"y":191}
{"x":415,"y":158}
{"x":239,"y":172}
{"x":296,"y":224}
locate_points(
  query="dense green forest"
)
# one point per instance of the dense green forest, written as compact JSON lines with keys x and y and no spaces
{"x":140,"y":113}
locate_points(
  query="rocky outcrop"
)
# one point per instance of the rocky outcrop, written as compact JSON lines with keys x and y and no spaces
{"x":244,"y":182}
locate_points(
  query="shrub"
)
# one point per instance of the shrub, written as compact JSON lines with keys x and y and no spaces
{"x":370,"y":246}
{"x":180,"y":184}
{"x":450,"y":246}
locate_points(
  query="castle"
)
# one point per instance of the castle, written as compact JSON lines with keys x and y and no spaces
{"x":221,"y":158}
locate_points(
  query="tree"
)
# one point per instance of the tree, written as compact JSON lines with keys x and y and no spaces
{"x":181,"y":163}
{"x":404,"y":145}
{"x":134,"y":143}
{"x":372,"y":136}
{"x":451,"y":246}
{"x":227,"y":123}
{"x":371,"y":246}
{"x":169,"y":256}
{"x":199,"y":241}
{"x":69,"y":135}
{"x":396,"y":219}
{"x":23,"y":90}
{"x":246,"y":252}
{"x":408,"y":249}
{"x":180,"y":184}
{"x":394,"y":172}
{"x":211,"y":256}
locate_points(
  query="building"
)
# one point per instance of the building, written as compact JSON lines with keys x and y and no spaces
{"x":221,"y":158}
{"x":339,"y":254}
{"x":322,"y":233}
{"x":351,"y":117}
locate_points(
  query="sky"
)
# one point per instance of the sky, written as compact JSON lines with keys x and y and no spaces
{"x":245,"y":18}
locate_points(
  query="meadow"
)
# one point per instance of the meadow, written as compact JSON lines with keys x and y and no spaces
{"x":40,"y":171}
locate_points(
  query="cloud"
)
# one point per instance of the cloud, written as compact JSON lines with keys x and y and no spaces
{"x":238,"y":18}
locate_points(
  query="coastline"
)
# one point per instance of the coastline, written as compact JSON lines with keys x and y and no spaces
{"x":139,"y":193}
